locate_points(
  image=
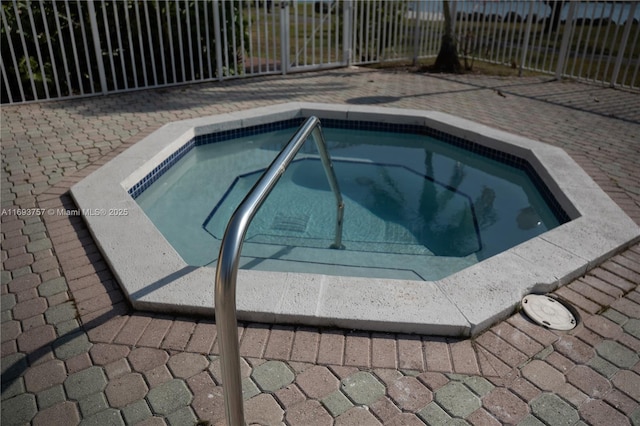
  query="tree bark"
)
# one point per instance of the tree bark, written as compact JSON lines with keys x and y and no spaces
{"x":447,"y":60}
{"x":551,"y":23}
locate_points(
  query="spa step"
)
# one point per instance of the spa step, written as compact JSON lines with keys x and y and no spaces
{"x":350,"y":261}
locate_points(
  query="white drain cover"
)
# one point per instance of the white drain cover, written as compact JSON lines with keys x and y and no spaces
{"x":548,"y":312}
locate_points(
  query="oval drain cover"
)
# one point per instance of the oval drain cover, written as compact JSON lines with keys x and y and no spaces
{"x":548,"y":312}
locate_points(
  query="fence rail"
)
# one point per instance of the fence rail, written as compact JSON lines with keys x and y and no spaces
{"x":68,"y":48}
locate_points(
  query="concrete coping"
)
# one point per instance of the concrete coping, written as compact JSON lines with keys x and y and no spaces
{"x":154,"y":277}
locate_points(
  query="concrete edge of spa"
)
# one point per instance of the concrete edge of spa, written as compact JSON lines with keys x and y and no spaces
{"x":155,"y":278}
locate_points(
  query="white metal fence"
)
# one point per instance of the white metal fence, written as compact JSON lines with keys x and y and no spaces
{"x":65,"y":48}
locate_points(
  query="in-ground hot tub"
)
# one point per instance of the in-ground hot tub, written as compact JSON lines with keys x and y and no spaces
{"x":154,"y":276}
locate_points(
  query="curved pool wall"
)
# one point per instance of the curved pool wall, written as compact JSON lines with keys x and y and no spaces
{"x":155,"y":278}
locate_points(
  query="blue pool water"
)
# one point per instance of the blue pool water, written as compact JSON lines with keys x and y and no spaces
{"x":415,"y":207}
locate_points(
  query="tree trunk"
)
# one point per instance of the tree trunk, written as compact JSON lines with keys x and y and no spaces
{"x":447,"y":60}
{"x":552,"y":22}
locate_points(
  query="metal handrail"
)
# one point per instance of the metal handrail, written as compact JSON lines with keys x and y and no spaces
{"x":227,"y":269}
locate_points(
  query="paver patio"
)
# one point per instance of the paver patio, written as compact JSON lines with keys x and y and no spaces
{"x":74,"y":352}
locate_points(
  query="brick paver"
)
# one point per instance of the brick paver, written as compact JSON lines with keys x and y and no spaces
{"x":263,"y":409}
{"x":543,"y":375}
{"x":617,"y":354}
{"x":144,"y":359}
{"x":362,"y":388}
{"x":317,"y":382}
{"x":185,"y":364}
{"x":126,"y":389}
{"x":505,"y":406}
{"x":629,"y":383}
{"x":73,"y":350}
{"x":457,"y":400}
{"x":45,"y":375}
{"x":588,"y":381}
{"x":574,"y":349}
{"x":272,"y":375}
{"x":409,"y":394}
{"x":599,"y":412}
{"x":61,"y":414}
{"x":310,"y":413}
{"x":169,"y":397}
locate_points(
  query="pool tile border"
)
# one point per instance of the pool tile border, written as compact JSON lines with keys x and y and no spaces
{"x":460,"y":305}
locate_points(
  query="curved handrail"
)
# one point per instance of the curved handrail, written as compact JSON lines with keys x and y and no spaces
{"x":231,"y":246}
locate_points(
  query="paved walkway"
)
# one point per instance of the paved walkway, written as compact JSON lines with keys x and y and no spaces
{"x":74,"y":352}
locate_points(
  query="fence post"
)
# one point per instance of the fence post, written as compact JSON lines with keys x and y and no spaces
{"x":566,"y":37}
{"x":218,"y":38}
{"x":284,"y":37}
{"x":347,"y":8}
{"x":416,"y":33}
{"x":623,"y":44}
{"x":527,"y":35}
{"x":95,"y":34}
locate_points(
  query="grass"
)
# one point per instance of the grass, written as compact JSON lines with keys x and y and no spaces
{"x":588,"y":52}
{"x":495,"y":46}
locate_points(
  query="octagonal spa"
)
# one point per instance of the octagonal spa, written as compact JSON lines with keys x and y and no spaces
{"x":447,"y":223}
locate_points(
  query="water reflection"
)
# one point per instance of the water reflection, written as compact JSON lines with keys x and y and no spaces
{"x":528,"y":218}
